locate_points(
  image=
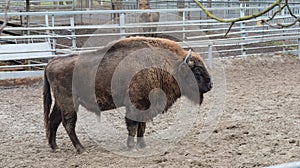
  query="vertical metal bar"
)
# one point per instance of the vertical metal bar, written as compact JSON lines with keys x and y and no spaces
{"x":210,"y":55}
{"x":73,"y":5}
{"x":81,"y":6}
{"x":47,"y":25}
{"x":189,"y":12}
{"x":28,"y":25}
{"x":53,"y":34}
{"x":72,"y":23}
{"x":242,"y":27}
{"x":282,"y":13}
{"x":28,"y":17}
{"x":183,"y":25}
{"x":122,"y":24}
{"x":299,"y":48}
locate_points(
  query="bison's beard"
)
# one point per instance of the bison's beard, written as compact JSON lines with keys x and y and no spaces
{"x":201,"y":98}
{"x":144,"y":106}
{"x":140,"y":115}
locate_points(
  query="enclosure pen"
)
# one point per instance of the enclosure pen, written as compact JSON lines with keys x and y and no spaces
{"x":192,"y":30}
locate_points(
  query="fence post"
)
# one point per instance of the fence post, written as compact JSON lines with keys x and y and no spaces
{"x":72,"y":22}
{"x":28,"y":17}
{"x":299,"y":48}
{"x":122,"y":24}
{"x":53,"y":35}
{"x":90,"y":4}
{"x":47,"y":25}
{"x":183,"y":25}
{"x":73,"y":5}
{"x":242,"y":27}
{"x":210,"y":55}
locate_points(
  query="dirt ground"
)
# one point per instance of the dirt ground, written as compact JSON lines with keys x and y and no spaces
{"x":258,"y":127}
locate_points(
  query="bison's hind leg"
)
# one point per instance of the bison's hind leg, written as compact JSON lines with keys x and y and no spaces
{"x":69,"y":119}
{"x":55,"y":120}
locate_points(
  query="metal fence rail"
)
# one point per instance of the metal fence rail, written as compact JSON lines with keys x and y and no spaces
{"x":191,"y":30}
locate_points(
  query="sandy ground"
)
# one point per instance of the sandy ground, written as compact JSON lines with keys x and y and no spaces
{"x":258,"y":127}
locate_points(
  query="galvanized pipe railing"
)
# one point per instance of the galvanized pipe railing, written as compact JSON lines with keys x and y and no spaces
{"x":249,"y":33}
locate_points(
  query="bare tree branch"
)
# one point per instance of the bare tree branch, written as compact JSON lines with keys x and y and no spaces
{"x":5,"y":16}
{"x":252,"y":16}
{"x":229,"y":29}
{"x":289,"y":9}
{"x":276,"y":12}
{"x":248,"y":17}
{"x":266,"y":21}
{"x":271,"y":25}
{"x":281,"y":25}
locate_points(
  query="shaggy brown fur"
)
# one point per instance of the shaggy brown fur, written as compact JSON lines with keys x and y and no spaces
{"x":91,"y":77}
{"x":161,"y":43}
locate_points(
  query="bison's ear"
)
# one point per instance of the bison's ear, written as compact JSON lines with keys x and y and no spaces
{"x":188,"y":60}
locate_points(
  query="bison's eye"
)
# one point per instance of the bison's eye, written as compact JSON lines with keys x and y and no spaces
{"x":197,"y":70}
{"x":198,"y":74}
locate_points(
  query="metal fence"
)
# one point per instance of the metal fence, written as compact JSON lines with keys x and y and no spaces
{"x":89,"y":30}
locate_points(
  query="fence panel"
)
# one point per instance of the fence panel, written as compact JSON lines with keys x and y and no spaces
{"x":189,"y":26}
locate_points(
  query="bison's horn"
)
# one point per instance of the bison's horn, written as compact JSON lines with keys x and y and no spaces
{"x":188,"y":56}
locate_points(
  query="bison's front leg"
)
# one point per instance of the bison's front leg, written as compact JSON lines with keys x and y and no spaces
{"x":132,"y":127}
{"x":140,"y":135}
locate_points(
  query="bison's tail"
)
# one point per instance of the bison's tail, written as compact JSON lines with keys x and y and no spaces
{"x":47,"y":103}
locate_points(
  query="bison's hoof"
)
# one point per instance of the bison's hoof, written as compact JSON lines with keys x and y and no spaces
{"x":79,"y":149}
{"x":130,"y":142}
{"x":53,"y":147}
{"x":141,"y":142}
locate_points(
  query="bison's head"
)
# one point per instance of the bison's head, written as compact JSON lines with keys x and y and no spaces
{"x":194,"y":76}
{"x":199,"y":70}
{"x":143,"y":4}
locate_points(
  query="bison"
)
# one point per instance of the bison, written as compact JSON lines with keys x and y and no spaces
{"x":148,"y":16}
{"x":89,"y":80}
{"x":116,"y":5}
